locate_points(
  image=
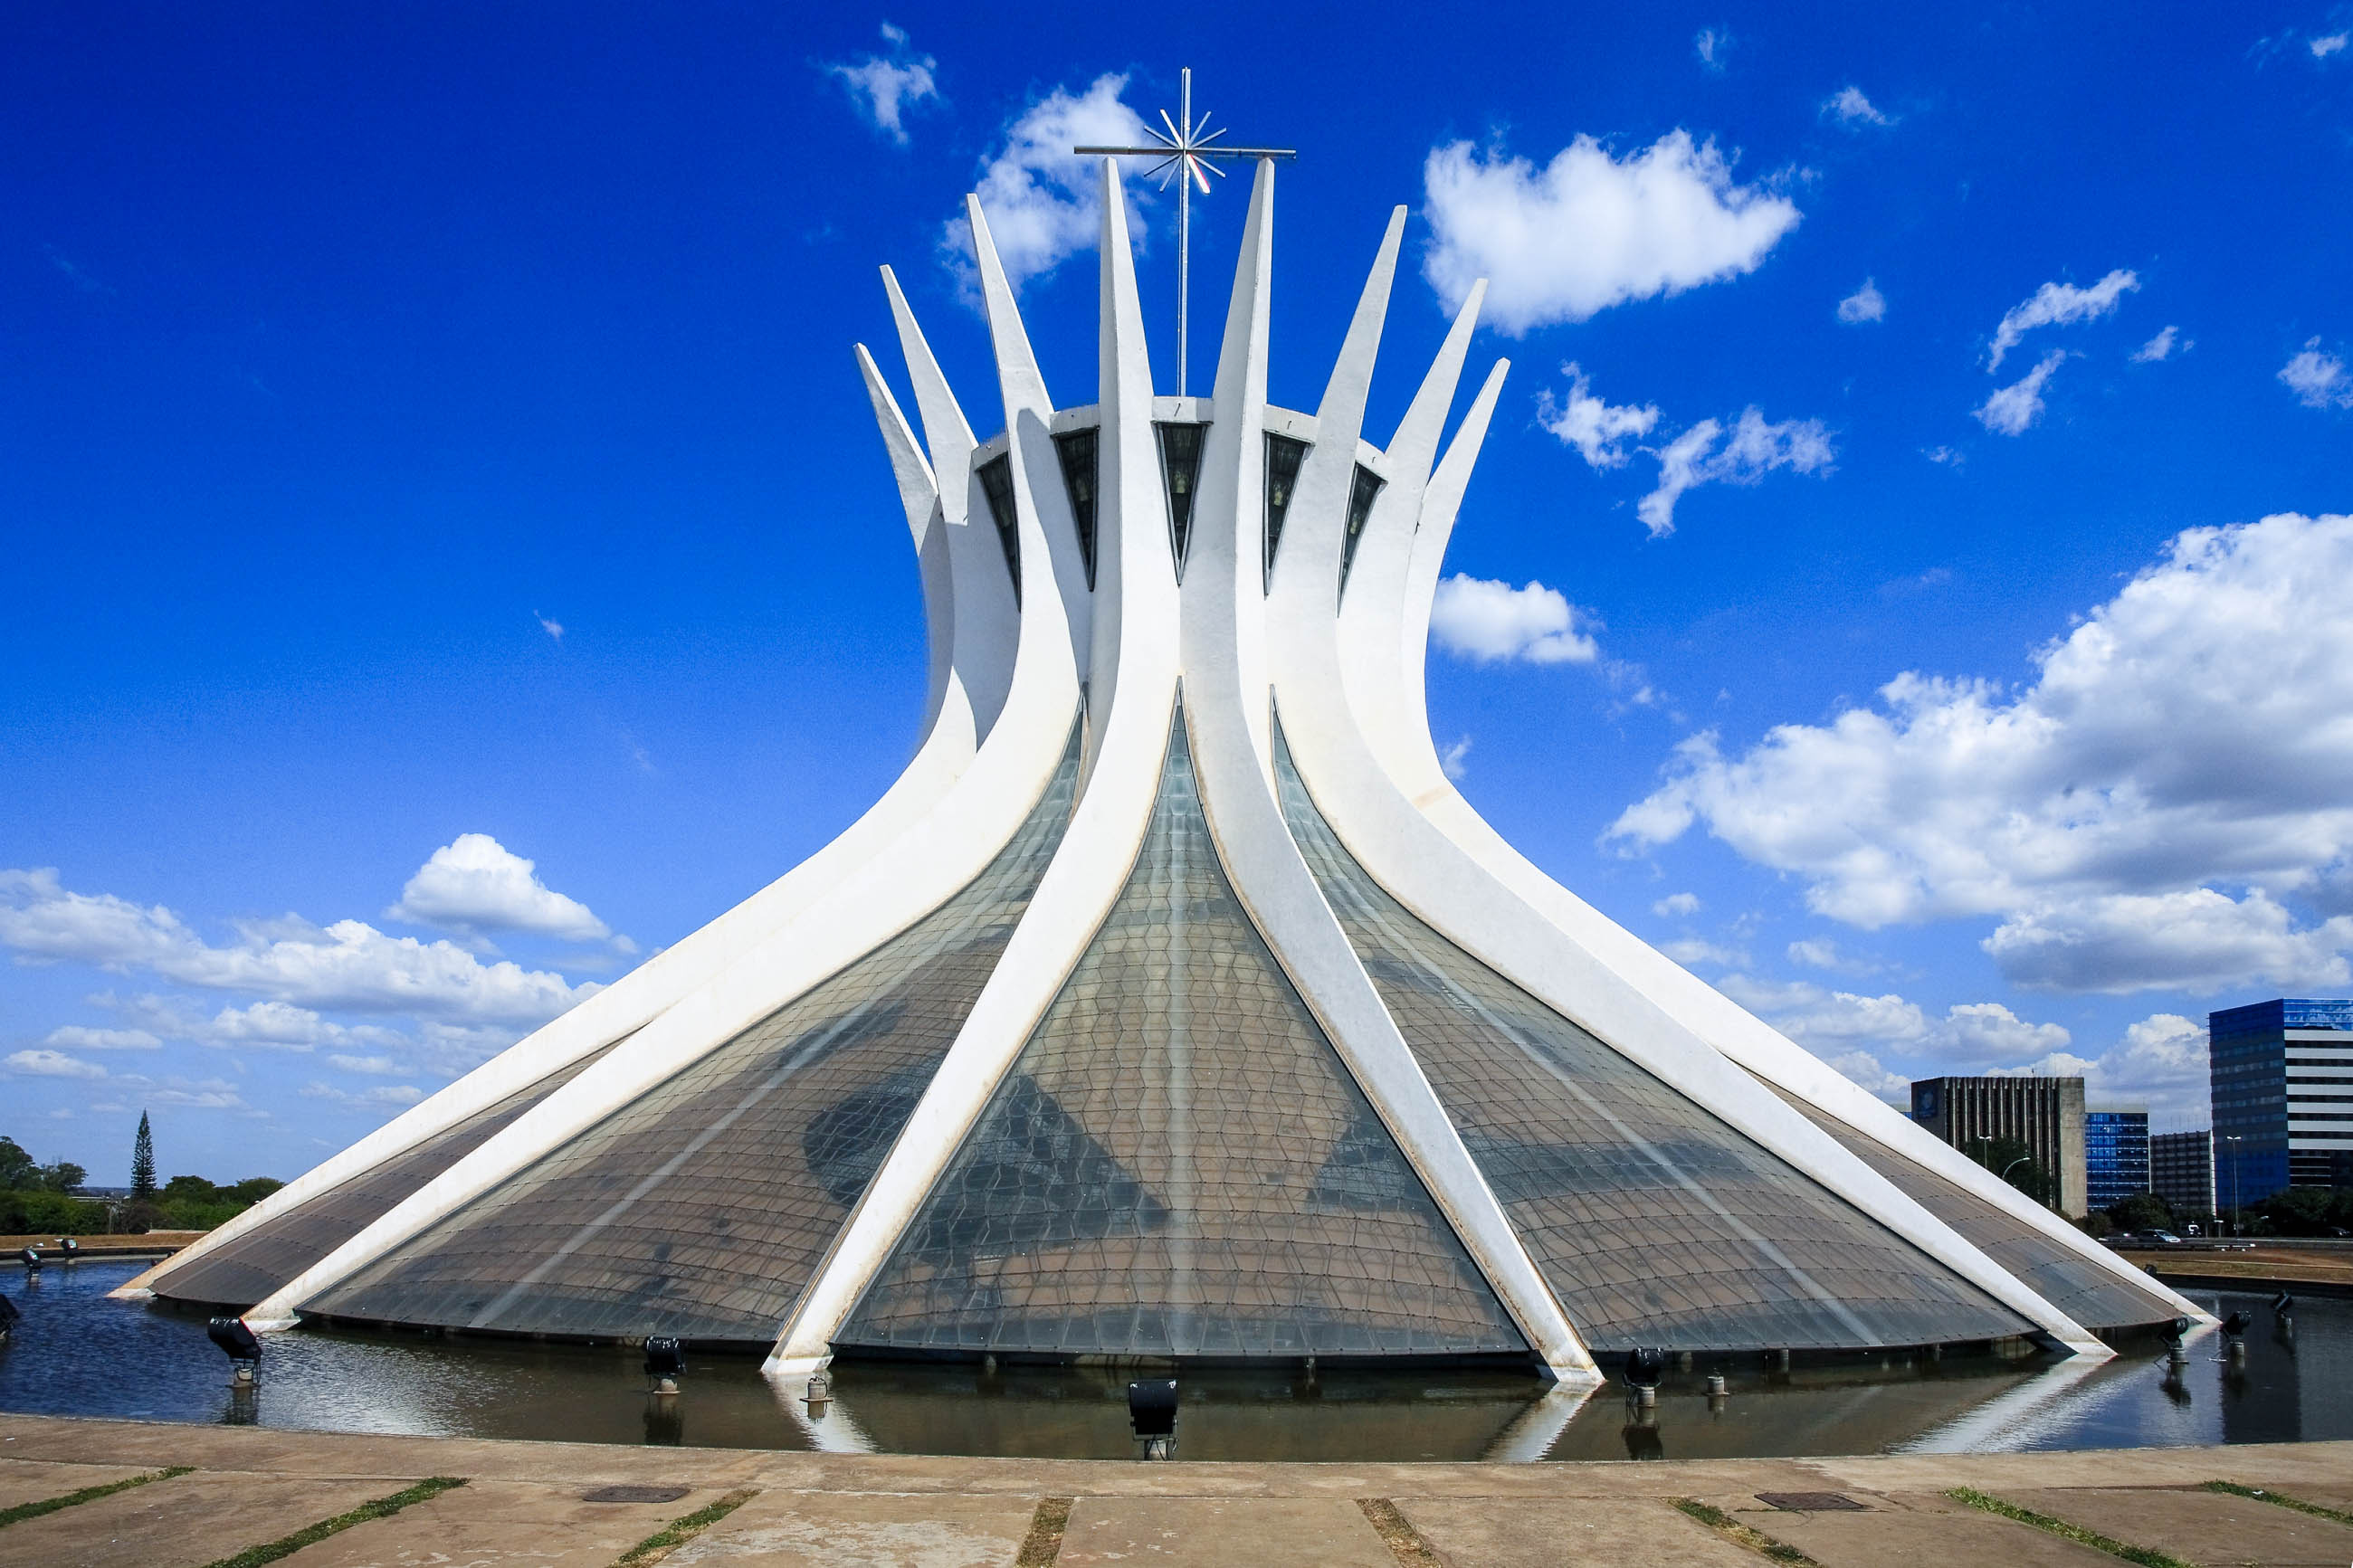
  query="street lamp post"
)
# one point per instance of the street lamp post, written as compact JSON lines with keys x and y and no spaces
{"x":2232,"y":1139}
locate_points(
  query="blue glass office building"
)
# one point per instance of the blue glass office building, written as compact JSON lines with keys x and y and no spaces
{"x":2116,"y":1155}
{"x":2281,"y":1077}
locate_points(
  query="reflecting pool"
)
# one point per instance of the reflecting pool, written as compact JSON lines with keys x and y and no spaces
{"x":75,"y":1353}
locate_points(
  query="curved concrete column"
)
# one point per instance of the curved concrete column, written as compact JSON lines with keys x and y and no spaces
{"x":907,"y":876}
{"x":1136,"y":571}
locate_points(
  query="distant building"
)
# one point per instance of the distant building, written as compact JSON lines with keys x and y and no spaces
{"x":2046,"y":1114}
{"x":2115,"y":1156}
{"x":2181,"y":1171}
{"x":2282,"y":1076}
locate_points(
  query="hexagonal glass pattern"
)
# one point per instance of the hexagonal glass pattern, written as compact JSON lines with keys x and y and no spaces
{"x":702,"y":1208}
{"x":1178,"y":1163}
{"x":2078,"y":1287}
{"x":1654,"y":1222}
{"x":256,"y":1266}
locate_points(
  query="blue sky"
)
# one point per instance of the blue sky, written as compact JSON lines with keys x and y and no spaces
{"x":449,"y":554}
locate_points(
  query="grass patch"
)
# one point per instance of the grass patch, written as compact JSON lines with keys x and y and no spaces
{"x":2232,"y":1489}
{"x":679,"y":1532}
{"x":310,"y":1534}
{"x":1044,"y":1542}
{"x":1405,"y":1541}
{"x":1740,"y":1534}
{"x":2148,"y":1556}
{"x":25,"y":1511}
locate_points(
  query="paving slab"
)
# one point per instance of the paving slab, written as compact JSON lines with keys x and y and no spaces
{"x":1902,"y":1530}
{"x":187,"y":1520}
{"x":872,"y":1530}
{"x":1494,"y":1532}
{"x":2203,"y":1526}
{"x":1218,"y":1532}
{"x":31,"y":1480}
{"x":487,"y":1524}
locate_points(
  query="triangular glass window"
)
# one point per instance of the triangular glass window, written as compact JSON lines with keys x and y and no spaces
{"x":1284,"y":456}
{"x":1179,"y":1165}
{"x":1080,"y":468}
{"x":1180,"y":471}
{"x":997,"y":483}
{"x":1364,"y":488}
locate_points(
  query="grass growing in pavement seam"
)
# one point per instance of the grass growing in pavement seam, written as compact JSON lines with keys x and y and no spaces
{"x":382,"y":1507}
{"x":25,"y":1511}
{"x":1405,"y":1541}
{"x":679,"y":1532}
{"x":1732,"y":1530}
{"x":1044,"y":1542}
{"x":2261,"y":1495}
{"x":2148,"y":1556}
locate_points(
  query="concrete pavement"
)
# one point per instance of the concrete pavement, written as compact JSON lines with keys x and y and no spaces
{"x":554,"y":1505}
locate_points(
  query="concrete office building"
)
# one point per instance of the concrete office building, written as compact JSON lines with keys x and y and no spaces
{"x":1172,"y":1004}
{"x":2282,"y":1076}
{"x":2046,"y":1114}
{"x":2115,"y":1156}
{"x":2181,"y":1171}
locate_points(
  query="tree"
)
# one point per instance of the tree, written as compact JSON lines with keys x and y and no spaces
{"x":18,"y":1170}
{"x":2013,"y":1162}
{"x":143,"y":1163}
{"x":2141,"y":1210}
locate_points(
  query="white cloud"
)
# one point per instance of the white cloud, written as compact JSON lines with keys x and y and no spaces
{"x":1948,"y":456}
{"x":1598,"y":430}
{"x":52,"y":1064}
{"x":2135,"y":817}
{"x":80,"y":1038}
{"x":552,"y":628}
{"x":349,"y":965}
{"x":2014,"y":409}
{"x":476,"y":886}
{"x":1454,"y":759}
{"x":2160,"y":347}
{"x":1705,"y":455}
{"x":1677,"y":906}
{"x":378,"y":1066}
{"x":1821,"y":953}
{"x":2322,"y":47}
{"x":1489,"y":622}
{"x":885,"y":88}
{"x":2058,"y":305}
{"x":1588,"y":231}
{"x":1851,"y":109}
{"x":1039,"y":196}
{"x":1713,"y":47}
{"x":2318,"y":380}
{"x":1865,"y":304}
{"x":1688,"y":950}
{"x":382,"y":1097}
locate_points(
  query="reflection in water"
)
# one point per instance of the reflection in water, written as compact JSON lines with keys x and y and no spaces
{"x":78,"y":1353}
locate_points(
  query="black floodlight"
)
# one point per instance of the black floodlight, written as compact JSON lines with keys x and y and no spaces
{"x":2176,"y":1329}
{"x":2236,"y":1324}
{"x":69,"y":1246}
{"x":1152,"y":1407}
{"x":665,"y":1361}
{"x":1645,"y":1367}
{"x":237,"y":1342}
{"x":2283,"y":1303}
{"x":32,"y":1257}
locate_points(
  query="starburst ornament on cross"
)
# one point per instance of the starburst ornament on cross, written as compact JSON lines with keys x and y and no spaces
{"x":1186,"y":156}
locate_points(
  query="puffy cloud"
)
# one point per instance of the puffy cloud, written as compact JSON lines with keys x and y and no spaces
{"x":1851,"y":109}
{"x":52,"y":1064}
{"x":1865,"y":304}
{"x":2318,"y":380}
{"x":552,"y":628}
{"x":1588,"y":230}
{"x":1039,"y":196}
{"x":2322,"y":47}
{"x":1598,"y":430}
{"x":2014,"y":409}
{"x":349,"y":965}
{"x":381,"y":1097}
{"x":2058,"y":305}
{"x":2160,"y":347}
{"x":885,"y":88}
{"x":1707,"y":453}
{"x":80,"y":1038}
{"x":1821,"y":953}
{"x":2133,"y":816}
{"x":1454,"y":760}
{"x":1677,"y":906}
{"x":475,"y":886}
{"x":378,"y":1066}
{"x":1691,"y":950}
{"x":1489,"y":622}
{"x":1713,"y":47}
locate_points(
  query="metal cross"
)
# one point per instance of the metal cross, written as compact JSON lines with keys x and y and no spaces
{"x":1185,"y":156}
